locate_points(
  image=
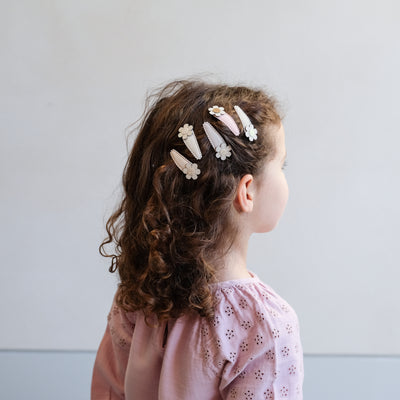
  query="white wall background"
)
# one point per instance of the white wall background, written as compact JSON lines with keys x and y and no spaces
{"x":74,"y":75}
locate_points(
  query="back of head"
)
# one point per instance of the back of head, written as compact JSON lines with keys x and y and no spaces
{"x":171,"y":231}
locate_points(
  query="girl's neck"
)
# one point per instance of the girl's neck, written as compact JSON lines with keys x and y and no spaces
{"x":234,"y":265}
{"x":229,"y":275}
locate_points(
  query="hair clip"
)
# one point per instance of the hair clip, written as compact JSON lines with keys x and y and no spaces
{"x":189,"y":138}
{"x":222,"y":115}
{"x":248,"y":127}
{"x":222,"y":150}
{"x":188,"y":168}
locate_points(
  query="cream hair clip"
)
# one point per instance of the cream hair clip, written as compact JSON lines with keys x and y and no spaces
{"x":222,"y":149}
{"x":219,"y":113}
{"x":248,"y":127}
{"x":189,"y":138}
{"x":188,"y":168}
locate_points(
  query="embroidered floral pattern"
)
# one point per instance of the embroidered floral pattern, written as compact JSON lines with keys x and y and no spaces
{"x":260,"y":316}
{"x":191,"y":171}
{"x":270,"y":354}
{"x":185,"y":131}
{"x":284,"y":391}
{"x":275,"y":333}
{"x":223,"y":151}
{"x":246,"y":324}
{"x":298,"y":389}
{"x":243,"y":303}
{"x":227,"y":290}
{"x":259,"y":374}
{"x":285,"y":351}
{"x":216,"y":111}
{"x":229,"y":333}
{"x":268,"y":394}
{"x":258,"y":339}
{"x":274,"y":313}
{"x":244,"y":346}
{"x":228,"y":310}
{"x":285,"y":307}
{"x":243,"y":374}
{"x":216,"y":320}
{"x":292,"y":370}
{"x":233,"y":393}
{"x":266,"y":295}
{"x":204,"y":331}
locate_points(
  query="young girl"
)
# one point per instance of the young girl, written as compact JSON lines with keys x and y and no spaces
{"x":189,"y":320}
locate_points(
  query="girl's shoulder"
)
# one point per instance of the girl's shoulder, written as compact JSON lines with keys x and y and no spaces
{"x":250,"y":311}
{"x":250,"y":298}
{"x":254,"y":329}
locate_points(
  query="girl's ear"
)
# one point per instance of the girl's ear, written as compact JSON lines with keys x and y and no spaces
{"x":243,"y":201}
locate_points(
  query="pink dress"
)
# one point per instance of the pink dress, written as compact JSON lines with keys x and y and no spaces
{"x":250,"y":350}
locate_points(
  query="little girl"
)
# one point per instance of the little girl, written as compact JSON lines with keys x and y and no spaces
{"x":189,"y":320}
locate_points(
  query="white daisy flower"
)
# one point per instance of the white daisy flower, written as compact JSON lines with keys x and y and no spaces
{"x":191,"y":171}
{"x":223,"y":151}
{"x":216,"y":110}
{"x":185,"y":131}
{"x":251,"y":132}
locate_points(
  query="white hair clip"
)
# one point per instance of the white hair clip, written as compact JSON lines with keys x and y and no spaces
{"x":188,"y":168}
{"x":248,"y":127}
{"x":222,"y":115}
{"x":189,"y":138}
{"x":222,"y":150}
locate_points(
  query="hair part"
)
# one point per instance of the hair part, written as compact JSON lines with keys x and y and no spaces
{"x":171,"y":232}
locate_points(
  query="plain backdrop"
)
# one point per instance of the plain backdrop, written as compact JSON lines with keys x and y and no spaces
{"x":74,"y":76}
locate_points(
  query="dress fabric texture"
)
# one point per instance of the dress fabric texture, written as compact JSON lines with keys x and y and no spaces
{"x":250,"y":350}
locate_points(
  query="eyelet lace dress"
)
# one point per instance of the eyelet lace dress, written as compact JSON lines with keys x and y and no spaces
{"x":250,"y":350}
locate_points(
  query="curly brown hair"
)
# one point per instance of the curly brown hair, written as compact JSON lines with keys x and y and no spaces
{"x":170,"y":232}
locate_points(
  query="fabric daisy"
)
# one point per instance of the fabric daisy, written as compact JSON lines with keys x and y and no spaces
{"x":191,"y":171}
{"x":185,"y":131}
{"x":223,"y":151}
{"x":216,"y":110}
{"x":251,"y":132}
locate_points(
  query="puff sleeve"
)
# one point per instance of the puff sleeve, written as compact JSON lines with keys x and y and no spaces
{"x":261,"y":347}
{"x":265,"y":376}
{"x":112,"y":356}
